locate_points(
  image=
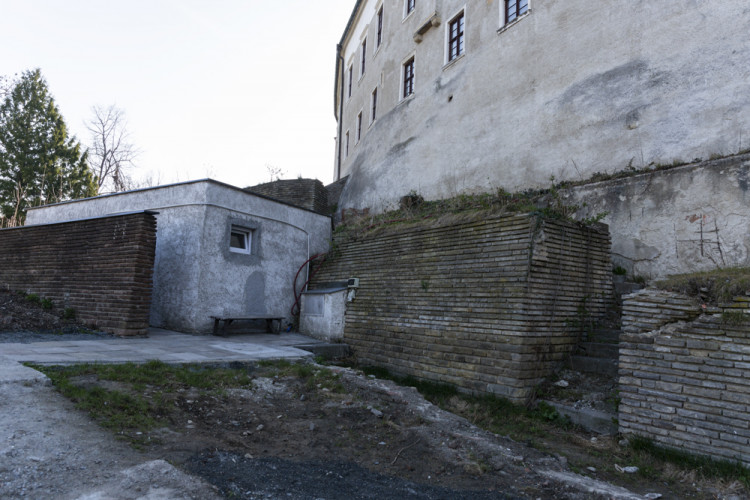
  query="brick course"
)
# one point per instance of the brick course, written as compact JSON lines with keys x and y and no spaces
{"x":304,"y":193}
{"x":491,"y":305}
{"x":687,"y":384}
{"x":100,"y":267}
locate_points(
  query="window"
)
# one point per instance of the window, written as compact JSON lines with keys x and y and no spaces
{"x":351,"y":75}
{"x":374,"y":105}
{"x":456,"y":37}
{"x":379,"y":39}
{"x":240,"y":239}
{"x":408,"y":7}
{"x":408,"y":78}
{"x":514,"y":9}
{"x":364,"y":54}
{"x":359,"y":126}
{"x":346,"y":151}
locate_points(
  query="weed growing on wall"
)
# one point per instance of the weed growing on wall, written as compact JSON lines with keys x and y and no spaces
{"x":711,"y":287}
{"x":413,"y":209}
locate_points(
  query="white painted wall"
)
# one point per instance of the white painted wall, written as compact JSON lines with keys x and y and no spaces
{"x":573,"y":88}
{"x":195,"y":274}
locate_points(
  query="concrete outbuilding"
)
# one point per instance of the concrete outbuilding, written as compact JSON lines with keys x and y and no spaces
{"x":220,"y":251}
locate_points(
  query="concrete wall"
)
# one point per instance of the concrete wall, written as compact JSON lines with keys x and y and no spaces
{"x":685,"y":219}
{"x":490,"y":304}
{"x":101,"y":268}
{"x":322,"y":314}
{"x":573,"y":88}
{"x":195,"y":274}
{"x":687,"y":384}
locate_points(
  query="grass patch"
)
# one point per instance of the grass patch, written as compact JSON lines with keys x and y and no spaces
{"x":140,"y":404}
{"x":712,"y":287}
{"x":648,"y":451}
{"x":490,"y":412}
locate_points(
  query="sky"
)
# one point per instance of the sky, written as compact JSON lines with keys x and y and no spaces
{"x":226,"y":89}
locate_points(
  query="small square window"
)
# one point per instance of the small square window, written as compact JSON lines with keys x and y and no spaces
{"x":240,"y":240}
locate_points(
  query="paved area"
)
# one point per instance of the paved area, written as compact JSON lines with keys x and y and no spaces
{"x":164,"y":345}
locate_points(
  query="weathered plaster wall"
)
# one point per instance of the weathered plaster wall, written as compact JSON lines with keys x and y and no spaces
{"x":490,"y":304}
{"x":322,"y":314}
{"x":195,"y":273}
{"x":573,"y":88}
{"x":674,"y":221}
{"x":101,"y":268}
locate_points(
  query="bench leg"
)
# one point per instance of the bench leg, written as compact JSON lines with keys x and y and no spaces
{"x":216,"y":326}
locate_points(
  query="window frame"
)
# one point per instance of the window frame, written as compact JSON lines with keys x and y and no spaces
{"x":363,"y":55}
{"x":373,"y":105}
{"x":346,"y":150}
{"x":351,"y":80}
{"x":359,"y":128}
{"x":379,"y":28}
{"x":408,"y":80}
{"x":518,"y":15}
{"x":246,"y":236}
{"x":460,"y":37}
{"x":409,"y":7}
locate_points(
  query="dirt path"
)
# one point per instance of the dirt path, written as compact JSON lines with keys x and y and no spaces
{"x":48,"y":449}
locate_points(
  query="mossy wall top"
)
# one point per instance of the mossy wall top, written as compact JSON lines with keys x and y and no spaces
{"x":490,"y":304}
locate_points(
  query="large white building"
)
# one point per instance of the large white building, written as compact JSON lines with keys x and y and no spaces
{"x":449,"y":96}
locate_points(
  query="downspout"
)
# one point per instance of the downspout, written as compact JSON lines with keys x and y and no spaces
{"x":340,"y":74}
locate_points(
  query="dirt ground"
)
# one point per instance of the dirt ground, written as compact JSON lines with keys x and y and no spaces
{"x":19,"y":313}
{"x":349,"y":436}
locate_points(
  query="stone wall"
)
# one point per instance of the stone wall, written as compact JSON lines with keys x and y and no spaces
{"x":304,"y":193}
{"x":102,"y":268}
{"x":491,"y":305}
{"x":687,"y":384}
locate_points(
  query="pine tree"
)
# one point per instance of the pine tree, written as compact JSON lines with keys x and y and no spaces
{"x":39,"y":163}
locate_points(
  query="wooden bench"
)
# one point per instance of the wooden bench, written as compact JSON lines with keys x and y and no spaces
{"x":220,"y":329}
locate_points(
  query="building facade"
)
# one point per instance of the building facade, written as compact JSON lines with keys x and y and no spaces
{"x":444,"y":97}
{"x":220,"y":251}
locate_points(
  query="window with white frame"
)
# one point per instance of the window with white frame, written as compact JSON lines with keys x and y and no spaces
{"x":240,"y":239}
{"x":351,"y":77}
{"x":379,"y":38}
{"x":408,"y":7}
{"x":359,"y":126}
{"x":456,"y":37}
{"x":346,"y":151}
{"x":515,"y":9}
{"x":374,"y":105}
{"x":364,"y":57}
{"x":407,"y":78}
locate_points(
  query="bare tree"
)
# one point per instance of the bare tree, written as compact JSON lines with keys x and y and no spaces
{"x":111,"y":154}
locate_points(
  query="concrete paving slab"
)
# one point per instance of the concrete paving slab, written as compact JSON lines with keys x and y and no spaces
{"x":13,"y":372}
{"x":164,"y":345}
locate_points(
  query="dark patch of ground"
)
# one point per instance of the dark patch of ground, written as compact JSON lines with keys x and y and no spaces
{"x":19,"y":313}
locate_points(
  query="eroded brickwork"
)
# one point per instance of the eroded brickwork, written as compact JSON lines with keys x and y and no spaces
{"x":687,"y":384}
{"x":491,"y":305}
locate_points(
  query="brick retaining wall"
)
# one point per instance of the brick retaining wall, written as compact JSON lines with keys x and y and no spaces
{"x":490,"y":305}
{"x":687,"y":385}
{"x":305,"y":193}
{"x":102,"y":268}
